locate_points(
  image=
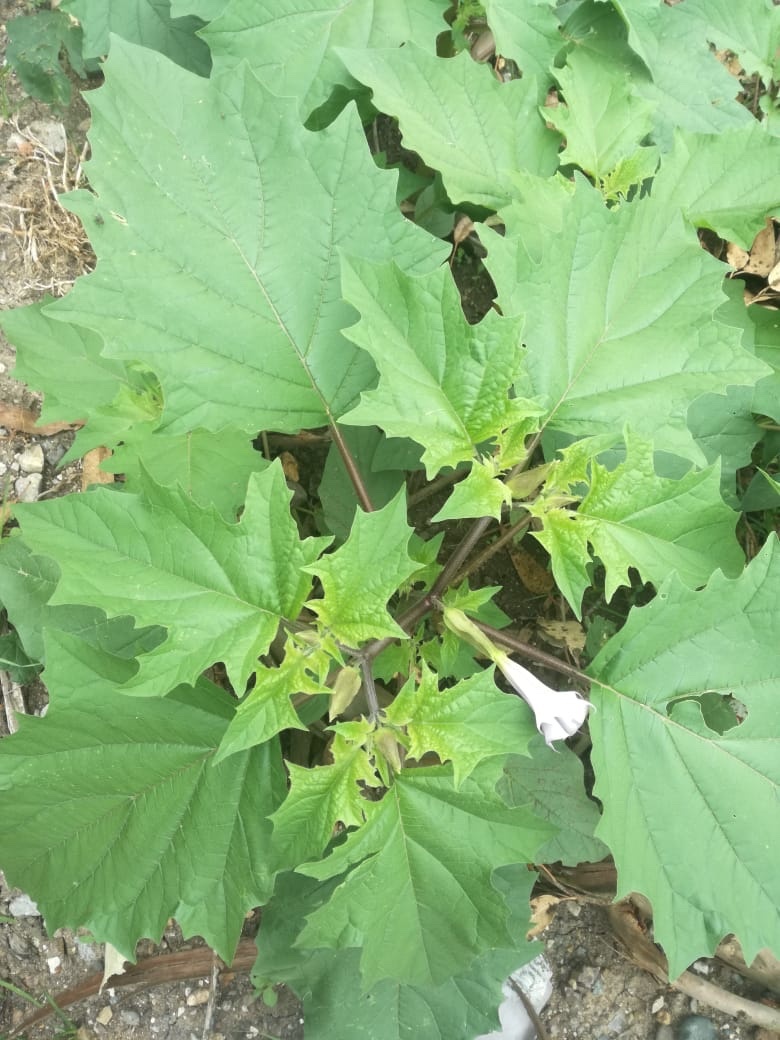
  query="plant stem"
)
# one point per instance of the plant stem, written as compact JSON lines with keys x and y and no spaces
{"x":453,"y":565}
{"x":370,"y":689}
{"x":489,"y":550}
{"x":352,"y":471}
{"x":512,"y":642}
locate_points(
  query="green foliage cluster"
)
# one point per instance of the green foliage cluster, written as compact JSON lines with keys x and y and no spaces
{"x":358,"y":771}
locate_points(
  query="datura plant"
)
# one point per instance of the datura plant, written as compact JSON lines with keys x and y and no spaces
{"x":311,"y":706}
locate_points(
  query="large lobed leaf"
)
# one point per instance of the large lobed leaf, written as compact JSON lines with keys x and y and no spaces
{"x":617,"y":332}
{"x":442,"y":382}
{"x":691,"y":805}
{"x":631,"y":517}
{"x":219,"y":588}
{"x":291,"y":44}
{"x":118,"y":819}
{"x":335,"y":1006}
{"x":419,"y":897}
{"x":146,"y":22}
{"x":216,"y":223}
{"x":476,"y":131}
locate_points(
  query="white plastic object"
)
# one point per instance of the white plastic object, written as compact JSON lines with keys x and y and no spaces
{"x":535,"y":980}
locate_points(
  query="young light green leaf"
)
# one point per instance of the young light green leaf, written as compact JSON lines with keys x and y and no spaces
{"x":602,"y":120}
{"x":319,"y":798}
{"x":633,"y":518}
{"x":690,"y":813}
{"x":419,"y":889}
{"x":266,"y":709}
{"x":482,"y":493}
{"x":361,"y":575}
{"x":134,"y":825}
{"x":146,"y":22}
{"x":252,"y":309}
{"x":552,"y":785}
{"x":495,"y":132}
{"x":442,"y":382}
{"x":614,"y":336}
{"x":463,"y":724}
{"x":221,"y":593}
{"x":291,"y":45}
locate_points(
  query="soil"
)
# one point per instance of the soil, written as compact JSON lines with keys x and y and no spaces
{"x":598,"y":993}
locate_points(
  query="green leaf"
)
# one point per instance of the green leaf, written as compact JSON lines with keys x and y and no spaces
{"x":33,"y":52}
{"x":221,"y":594}
{"x":689,"y":812}
{"x":133,"y":823}
{"x":442,"y":382}
{"x":633,"y":518}
{"x":337,"y":492}
{"x":751,"y":33}
{"x":26,"y":586}
{"x":335,"y":1007}
{"x":667,"y":40}
{"x":527,"y":31}
{"x":361,"y":575}
{"x":552,"y":785}
{"x":463,"y":724}
{"x":617,"y":333}
{"x":212,"y":469}
{"x":291,"y":45}
{"x":254,"y":310}
{"x":480,"y":494}
{"x":146,"y":22}
{"x":419,"y":896}
{"x":89,"y":381}
{"x":266,"y":709}
{"x":15,"y":661}
{"x":319,"y":798}
{"x":722,"y":181}
{"x":602,"y":120}
{"x":476,"y":131}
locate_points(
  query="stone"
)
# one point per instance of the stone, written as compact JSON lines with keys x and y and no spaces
{"x":104,"y":1016}
{"x":198,"y":997}
{"x":28,"y":487}
{"x":130,"y":1018}
{"x":31,"y":459}
{"x":50,"y":134}
{"x":696,"y":1027}
{"x":23,"y":906}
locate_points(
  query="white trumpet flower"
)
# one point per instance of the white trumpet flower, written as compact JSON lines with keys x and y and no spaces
{"x":558,"y":713}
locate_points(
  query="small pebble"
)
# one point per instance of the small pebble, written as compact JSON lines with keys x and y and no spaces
{"x":88,"y":952}
{"x":50,"y":134}
{"x":31,"y":459}
{"x":23,"y":906}
{"x":104,"y":1016}
{"x":55,"y":964}
{"x":696,"y":1027}
{"x":54,"y":450}
{"x":198,"y":997}
{"x":28,"y":488}
{"x":130,"y":1018}
{"x":617,"y":1023}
